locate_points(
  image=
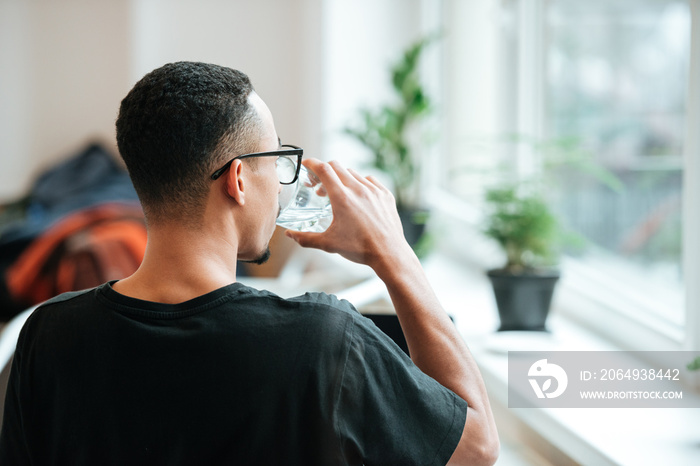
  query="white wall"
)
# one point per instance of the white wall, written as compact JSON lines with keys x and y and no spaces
{"x":63,"y":69}
{"x":65,"y":66}
{"x":363,"y":39}
{"x":275,"y":42}
{"x":14,"y":94}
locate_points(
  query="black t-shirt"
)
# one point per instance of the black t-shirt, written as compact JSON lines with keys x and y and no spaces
{"x":236,"y":376}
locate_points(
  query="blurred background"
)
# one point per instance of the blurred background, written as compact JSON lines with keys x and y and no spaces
{"x":589,"y":104}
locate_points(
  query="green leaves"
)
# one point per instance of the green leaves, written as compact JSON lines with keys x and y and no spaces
{"x":406,"y":83}
{"x":694,"y":365}
{"x":518,"y":213}
{"x":524,"y":227}
{"x":384,"y":130}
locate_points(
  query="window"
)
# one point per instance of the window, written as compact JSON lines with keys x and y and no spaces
{"x":616,"y":81}
{"x":528,"y":83}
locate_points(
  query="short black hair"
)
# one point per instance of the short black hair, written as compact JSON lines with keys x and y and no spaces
{"x":175,"y":126}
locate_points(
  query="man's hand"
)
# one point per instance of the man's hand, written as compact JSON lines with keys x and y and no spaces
{"x":366,"y":227}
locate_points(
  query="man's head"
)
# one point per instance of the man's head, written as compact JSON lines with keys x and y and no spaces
{"x":177,"y":125}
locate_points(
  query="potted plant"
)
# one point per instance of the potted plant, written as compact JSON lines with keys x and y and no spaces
{"x":519,"y":218}
{"x":385,"y":132}
{"x":527,"y":231}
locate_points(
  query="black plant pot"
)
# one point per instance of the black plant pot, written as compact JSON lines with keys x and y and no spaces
{"x":413,"y":221}
{"x":523,"y":299}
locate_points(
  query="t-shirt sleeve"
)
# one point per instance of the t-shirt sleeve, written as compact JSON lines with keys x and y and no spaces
{"x":388,"y":411}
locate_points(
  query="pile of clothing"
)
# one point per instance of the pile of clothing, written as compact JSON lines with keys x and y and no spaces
{"x":79,"y":225}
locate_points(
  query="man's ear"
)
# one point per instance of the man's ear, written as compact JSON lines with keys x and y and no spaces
{"x":235,"y":185}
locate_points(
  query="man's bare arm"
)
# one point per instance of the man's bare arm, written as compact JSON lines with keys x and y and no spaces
{"x":367,"y":229}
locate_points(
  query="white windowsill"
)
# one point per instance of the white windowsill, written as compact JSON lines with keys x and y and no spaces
{"x":587,"y":436}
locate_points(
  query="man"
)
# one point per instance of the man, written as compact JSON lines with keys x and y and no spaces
{"x":179,"y":364}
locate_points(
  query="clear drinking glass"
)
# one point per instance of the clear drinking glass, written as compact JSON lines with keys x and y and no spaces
{"x":304,"y":205}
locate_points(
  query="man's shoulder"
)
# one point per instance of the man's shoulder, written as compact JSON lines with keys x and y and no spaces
{"x":310,"y":301}
{"x":326,"y":307}
{"x":63,"y":302}
{"x":316,"y":312}
{"x":325,"y":300}
{"x":65,"y":297}
{"x":62,"y":307}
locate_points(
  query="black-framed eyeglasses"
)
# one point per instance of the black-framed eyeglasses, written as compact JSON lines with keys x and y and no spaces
{"x":288,"y":163}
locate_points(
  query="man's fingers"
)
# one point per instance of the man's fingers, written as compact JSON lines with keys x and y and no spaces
{"x":337,"y":173}
{"x":361,"y":178}
{"x":369,"y":181}
{"x":326,"y":174}
{"x":348,"y":178}
{"x":375,"y":182}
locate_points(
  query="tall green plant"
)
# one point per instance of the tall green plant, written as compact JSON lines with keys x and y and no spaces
{"x":384,"y":130}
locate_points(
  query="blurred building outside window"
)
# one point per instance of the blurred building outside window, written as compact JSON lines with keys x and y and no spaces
{"x":616,"y":75}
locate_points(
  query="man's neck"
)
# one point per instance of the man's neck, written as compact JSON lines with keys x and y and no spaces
{"x":181,"y":264}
